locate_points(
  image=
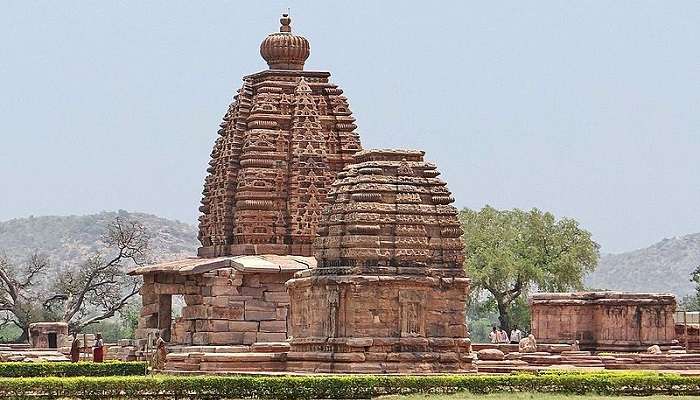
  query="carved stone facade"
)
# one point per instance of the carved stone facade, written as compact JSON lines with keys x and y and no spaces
{"x":604,"y":321}
{"x":389,"y":291}
{"x":281,"y":143}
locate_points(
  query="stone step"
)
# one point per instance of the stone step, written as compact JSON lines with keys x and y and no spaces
{"x":265,"y":366}
{"x":210,"y":349}
{"x":243,"y":357}
{"x":664,"y":366}
{"x":270,"y":347}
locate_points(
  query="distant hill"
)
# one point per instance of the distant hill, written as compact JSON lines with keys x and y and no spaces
{"x":69,"y":239}
{"x":662,"y":267}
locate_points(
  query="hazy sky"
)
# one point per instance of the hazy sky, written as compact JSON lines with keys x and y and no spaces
{"x":589,"y":109}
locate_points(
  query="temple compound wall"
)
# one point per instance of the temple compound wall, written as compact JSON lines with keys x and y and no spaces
{"x":227,"y":301}
{"x":389,"y":292}
{"x":604,"y":321}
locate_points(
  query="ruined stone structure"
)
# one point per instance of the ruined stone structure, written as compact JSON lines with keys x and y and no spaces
{"x":236,"y":300}
{"x":48,"y":335}
{"x":604,"y":321}
{"x":281,"y":143}
{"x":389,"y":291}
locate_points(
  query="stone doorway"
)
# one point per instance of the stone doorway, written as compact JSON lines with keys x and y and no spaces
{"x":53,"y":340}
{"x":165,"y":307}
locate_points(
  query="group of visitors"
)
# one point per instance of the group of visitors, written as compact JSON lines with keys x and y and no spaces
{"x":98,"y":349}
{"x":498,"y":335}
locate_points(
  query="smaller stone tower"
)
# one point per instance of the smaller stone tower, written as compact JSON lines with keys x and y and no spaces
{"x":389,"y":293}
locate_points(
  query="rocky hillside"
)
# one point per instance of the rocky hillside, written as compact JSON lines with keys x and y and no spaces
{"x":68,"y":240}
{"x":662,"y":267}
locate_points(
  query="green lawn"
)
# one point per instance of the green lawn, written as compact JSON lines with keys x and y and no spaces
{"x":525,"y":396}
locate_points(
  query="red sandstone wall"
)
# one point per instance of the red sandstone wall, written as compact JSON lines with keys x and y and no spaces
{"x":395,"y":308}
{"x":563,"y":324}
{"x":604,"y":326}
{"x":223,"y":307}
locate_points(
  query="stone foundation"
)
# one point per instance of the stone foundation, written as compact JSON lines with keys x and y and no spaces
{"x":604,"y":321}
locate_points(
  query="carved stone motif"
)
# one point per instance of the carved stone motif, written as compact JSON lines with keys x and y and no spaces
{"x":605,"y":321}
{"x":286,"y":135}
{"x":388,"y":294}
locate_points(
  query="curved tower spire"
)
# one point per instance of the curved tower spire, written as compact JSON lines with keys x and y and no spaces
{"x":282,"y":141}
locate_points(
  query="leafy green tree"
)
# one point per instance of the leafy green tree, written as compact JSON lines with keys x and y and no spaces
{"x":692,"y":302}
{"x":512,"y":252}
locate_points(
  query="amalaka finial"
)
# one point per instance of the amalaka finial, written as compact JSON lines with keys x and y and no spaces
{"x":284,"y":50}
{"x":285,"y":21}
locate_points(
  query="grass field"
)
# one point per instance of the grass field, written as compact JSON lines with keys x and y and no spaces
{"x":527,"y":396}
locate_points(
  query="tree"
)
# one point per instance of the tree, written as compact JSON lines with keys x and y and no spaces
{"x":692,"y":302}
{"x":100,"y":287}
{"x":511,"y":252}
{"x":19,"y":291}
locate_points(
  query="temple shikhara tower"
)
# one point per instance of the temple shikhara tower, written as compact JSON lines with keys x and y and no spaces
{"x":281,"y":143}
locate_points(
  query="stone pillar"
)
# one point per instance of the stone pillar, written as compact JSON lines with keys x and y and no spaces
{"x":165,"y":312}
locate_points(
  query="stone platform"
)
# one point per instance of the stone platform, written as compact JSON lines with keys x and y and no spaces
{"x":672,"y":360}
{"x":259,"y":357}
{"x":365,"y":356}
{"x":387,"y":355}
{"x":605,"y":321}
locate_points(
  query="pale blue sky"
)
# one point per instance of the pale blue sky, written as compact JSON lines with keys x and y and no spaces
{"x":589,"y":109}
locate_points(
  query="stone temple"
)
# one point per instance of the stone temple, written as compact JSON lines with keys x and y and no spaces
{"x":389,"y":292}
{"x":605,"y":321}
{"x":319,"y":256}
{"x":282,"y":141}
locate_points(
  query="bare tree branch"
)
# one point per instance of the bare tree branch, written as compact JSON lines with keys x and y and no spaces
{"x":100,"y":287}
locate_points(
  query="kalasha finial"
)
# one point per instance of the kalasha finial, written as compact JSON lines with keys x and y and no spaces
{"x":285,"y":21}
{"x":283,"y":50}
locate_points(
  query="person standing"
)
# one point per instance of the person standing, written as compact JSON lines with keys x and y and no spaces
{"x":75,"y":349}
{"x":493,"y":336}
{"x":502,"y":336}
{"x":515,"y":335}
{"x":158,"y":361}
{"x":98,"y":350}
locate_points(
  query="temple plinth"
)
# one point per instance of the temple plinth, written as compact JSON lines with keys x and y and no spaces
{"x":605,"y":321}
{"x":389,"y":291}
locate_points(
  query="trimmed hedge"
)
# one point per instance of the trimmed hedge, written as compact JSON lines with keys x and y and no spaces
{"x":341,"y":387}
{"x":111,"y":368}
